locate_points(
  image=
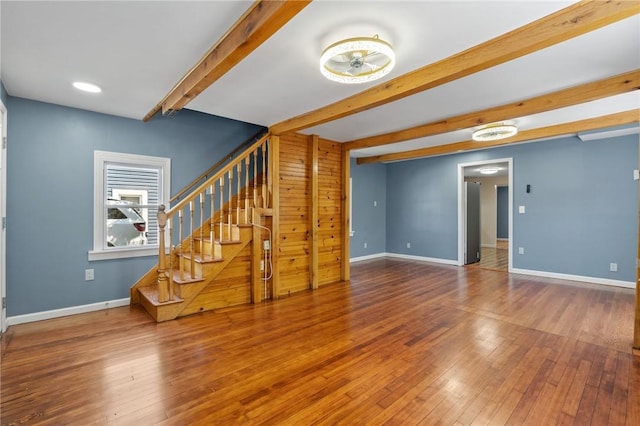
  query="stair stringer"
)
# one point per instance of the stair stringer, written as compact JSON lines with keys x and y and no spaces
{"x":167,"y":312}
{"x":231,"y":287}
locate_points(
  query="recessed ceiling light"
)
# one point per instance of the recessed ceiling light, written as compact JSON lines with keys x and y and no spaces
{"x":494,"y":131}
{"x":87,"y":87}
{"x":489,"y":170}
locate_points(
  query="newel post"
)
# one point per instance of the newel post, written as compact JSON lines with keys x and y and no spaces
{"x":163,"y":283}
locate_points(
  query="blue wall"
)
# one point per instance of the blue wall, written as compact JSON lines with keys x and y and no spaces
{"x":502,"y":212}
{"x":422,"y":200}
{"x":50,"y":194}
{"x":369,"y":221}
{"x":581,"y":213}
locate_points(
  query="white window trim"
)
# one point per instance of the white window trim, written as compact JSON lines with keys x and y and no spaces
{"x":99,"y":251}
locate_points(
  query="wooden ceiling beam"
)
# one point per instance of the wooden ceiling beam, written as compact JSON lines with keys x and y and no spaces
{"x":575,"y":20}
{"x":616,"y":119}
{"x":263,"y":19}
{"x":611,"y":86}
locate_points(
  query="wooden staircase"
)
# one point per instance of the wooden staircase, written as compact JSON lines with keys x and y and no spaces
{"x":218,"y":263}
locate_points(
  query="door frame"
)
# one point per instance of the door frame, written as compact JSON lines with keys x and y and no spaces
{"x":3,"y":214}
{"x":462,"y":205}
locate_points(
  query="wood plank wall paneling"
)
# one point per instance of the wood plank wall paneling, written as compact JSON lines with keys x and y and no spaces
{"x":295,"y":197}
{"x":329,"y":212}
{"x":346,"y":213}
{"x":295,"y":253}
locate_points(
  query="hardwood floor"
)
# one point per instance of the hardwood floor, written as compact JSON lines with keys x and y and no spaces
{"x":495,"y":258}
{"x":404,"y":343}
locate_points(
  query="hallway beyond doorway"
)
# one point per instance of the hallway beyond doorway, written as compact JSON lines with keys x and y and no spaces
{"x":494,"y":258}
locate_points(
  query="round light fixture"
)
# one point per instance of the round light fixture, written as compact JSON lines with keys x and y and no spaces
{"x":493,"y":132}
{"x":357,"y":60}
{"x":489,"y":170}
{"x":87,"y":87}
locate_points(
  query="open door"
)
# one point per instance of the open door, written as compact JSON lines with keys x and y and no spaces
{"x":472,"y":222}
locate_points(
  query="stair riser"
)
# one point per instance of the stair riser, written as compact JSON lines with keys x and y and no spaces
{"x":186,"y":291}
{"x":217,"y":250}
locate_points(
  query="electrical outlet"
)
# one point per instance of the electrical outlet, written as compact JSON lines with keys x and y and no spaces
{"x":88,"y":275}
{"x":365,"y":245}
{"x":521,"y":209}
{"x":262,"y":265}
{"x":613,"y":267}
{"x":408,"y":245}
{"x":520,"y":250}
{"x":375,"y":204}
{"x":266,"y":245}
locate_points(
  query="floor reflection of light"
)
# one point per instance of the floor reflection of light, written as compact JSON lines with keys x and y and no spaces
{"x":486,"y":335}
{"x":131,"y":383}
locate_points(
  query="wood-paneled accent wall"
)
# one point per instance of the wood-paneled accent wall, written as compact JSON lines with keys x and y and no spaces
{"x":329,"y":212}
{"x":297,"y":204}
{"x":295,"y":199}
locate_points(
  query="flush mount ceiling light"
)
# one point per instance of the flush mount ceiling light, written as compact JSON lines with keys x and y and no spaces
{"x":489,"y":170}
{"x":494,"y":132}
{"x":357,"y":60}
{"x":87,"y":87}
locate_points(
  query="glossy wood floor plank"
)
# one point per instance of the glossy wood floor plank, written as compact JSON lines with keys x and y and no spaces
{"x":403,"y":343}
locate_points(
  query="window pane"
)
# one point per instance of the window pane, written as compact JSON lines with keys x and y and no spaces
{"x":139,"y":187}
{"x":126,"y":227}
{"x":116,"y":214}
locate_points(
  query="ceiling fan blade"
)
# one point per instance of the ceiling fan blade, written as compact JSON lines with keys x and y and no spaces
{"x":339,"y":66}
{"x":373,"y":54}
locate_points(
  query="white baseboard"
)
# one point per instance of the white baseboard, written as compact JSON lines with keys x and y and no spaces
{"x":423,"y":259}
{"x":592,"y":280}
{"x":367,"y":257}
{"x":73,"y":310}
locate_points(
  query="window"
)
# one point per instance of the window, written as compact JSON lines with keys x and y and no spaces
{"x":128,"y":189}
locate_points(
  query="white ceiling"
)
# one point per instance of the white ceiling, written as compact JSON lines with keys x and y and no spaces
{"x":138,"y":50}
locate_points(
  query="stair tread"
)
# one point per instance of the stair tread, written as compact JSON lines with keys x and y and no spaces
{"x":205,"y":239}
{"x":223,"y":242}
{"x":151,"y":294}
{"x":187,"y":278}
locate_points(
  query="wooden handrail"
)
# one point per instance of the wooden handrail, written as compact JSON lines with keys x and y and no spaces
{"x":258,"y":135}
{"x":226,"y":169}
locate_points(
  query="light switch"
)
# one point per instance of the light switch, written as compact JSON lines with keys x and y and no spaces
{"x":521,"y":209}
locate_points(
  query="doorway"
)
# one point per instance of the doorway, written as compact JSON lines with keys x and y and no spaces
{"x":3,"y":214}
{"x":495,"y":251}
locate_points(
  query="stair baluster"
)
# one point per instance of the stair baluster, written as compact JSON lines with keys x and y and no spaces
{"x":202,"y":226}
{"x":222,"y":208}
{"x":246,"y":188}
{"x":264,"y":179}
{"x":180,"y":250}
{"x":238,"y":175}
{"x":170,"y":273}
{"x":269,"y":178}
{"x":230,"y":208}
{"x":255,"y":178}
{"x":211,"y":219}
{"x":192,"y":250}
